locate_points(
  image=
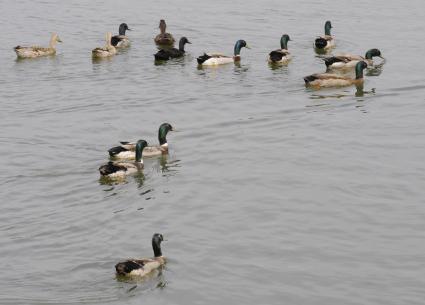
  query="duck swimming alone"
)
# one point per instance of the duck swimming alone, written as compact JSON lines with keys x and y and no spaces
{"x":122,"y":169}
{"x":106,"y":51}
{"x":220,"y":59}
{"x":349,"y":61}
{"x":120,"y":40}
{"x":282,"y":55}
{"x":166,"y":54}
{"x":326,"y":80}
{"x":142,"y":267}
{"x":164,"y":38}
{"x":327,"y":41}
{"x":127,"y":149}
{"x":35,"y":51}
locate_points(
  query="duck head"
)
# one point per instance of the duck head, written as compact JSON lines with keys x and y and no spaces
{"x":182,"y":42}
{"x":360,"y":66}
{"x":284,"y":41}
{"x":140,"y":145}
{"x":373,"y":52}
{"x":328,"y":27}
{"x":162,"y":133}
{"x":123,"y":27}
{"x":239,"y":45}
{"x":162,"y":26}
{"x":157,"y":238}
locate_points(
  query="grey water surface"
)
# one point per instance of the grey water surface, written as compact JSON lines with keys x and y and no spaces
{"x":271,"y":194}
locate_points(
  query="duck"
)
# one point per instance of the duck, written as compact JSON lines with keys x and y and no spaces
{"x":214,"y":59}
{"x":121,"y":169}
{"x":127,"y":149}
{"x":164,"y":38}
{"x":349,"y":61}
{"x":282,"y":55}
{"x":166,"y":54}
{"x":141,"y":267}
{"x":326,"y":80}
{"x":120,"y":40}
{"x":36,"y":51}
{"x":106,"y":51}
{"x":325,"y":42}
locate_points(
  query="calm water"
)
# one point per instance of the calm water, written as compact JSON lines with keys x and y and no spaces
{"x":272,"y":193}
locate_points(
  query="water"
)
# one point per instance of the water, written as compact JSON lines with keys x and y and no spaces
{"x":271,"y":194}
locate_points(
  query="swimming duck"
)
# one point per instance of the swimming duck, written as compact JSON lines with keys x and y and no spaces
{"x":166,"y":54}
{"x":142,"y":267}
{"x":164,"y":38}
{"x":120,"y":40}
{"x":35,"y":51}
{"x":334,"y":80}
{"x":122,"y":169}
{"x":220,"y":59}
{"x":282,"y":55}
{"x":126,"y":149}
{"x":349,"y":61}
{"x":106,"y":51}
{"x":325,"y":42}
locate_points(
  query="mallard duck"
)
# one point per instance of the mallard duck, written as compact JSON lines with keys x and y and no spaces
{"x":325,"y":42}
{"x":122,"y":169}
{"x":120,"y":40}
{"x":106,"y":51}
{"x":35,"y":51}
{"x":166,"y":54}
{"x":126,"y":149}
{"x":142,"y":267}
{"x":333,"y":80}
{"x":349,"y":61}
{"x":282,"y":55}
{"x":214,"y":59}
{"x":163,"y":38}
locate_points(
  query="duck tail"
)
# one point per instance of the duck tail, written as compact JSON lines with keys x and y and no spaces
{"x":17,"y":48}
{"x":203,"y":58}
{"x":116,"y":150}
{"x":329,"y":61}
{"x":320,"y":42}
{"x":161,"y":55}
{"x":309,"y":79}
{"x":108,"y":168}
{"x":125,"y":268}
{"x":275,"y":56}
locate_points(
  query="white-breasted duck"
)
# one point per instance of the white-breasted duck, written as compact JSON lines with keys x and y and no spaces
{"x":127,"y":149}
{"x":282,"y":55}
{"x":326,"y":80}
{"x":144,"y":266}
{"x":325,"y":42}
{"x":36,"y":51}
{"x":168,"y":53}
{"x":349,"y":61}
{"x":121,"y":169}
{"x":215,"y":59}
{"x":121,"y":40}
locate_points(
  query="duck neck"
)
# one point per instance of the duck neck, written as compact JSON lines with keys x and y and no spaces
{"x":156,"y":249}
{"x":121,"y":30}
{"x":369,"y":54}
{"x":181,"y":45}
{"x":52,"y":43}
{"x":359,"y":72}
{"x":162,"y":136}
{"x":237,"y":50}
{"x":284,"y":43}
{"x":162,"y":27}
{"x":139,"y":157}
{"x":328,"y":29}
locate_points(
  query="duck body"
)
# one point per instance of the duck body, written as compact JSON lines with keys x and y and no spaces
{"x":327,"y":80}
{"x":36,"y":51}
{"x":121,"y":40}
{"x":166,"y":54}
{"x":106,"y":51}
{"x":282,"y":55}
{"x":116,"y":170}
{"x":126,"y":151}
{"x":215,"y":59}
{"x":142,"y":267}
{"x":164,"y":38}
{"x":325,"y":42}
{"x":349,"y":61}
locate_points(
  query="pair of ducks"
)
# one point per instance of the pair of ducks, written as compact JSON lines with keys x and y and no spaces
{"x":128,"y":151}
{"x":113,"y":43}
